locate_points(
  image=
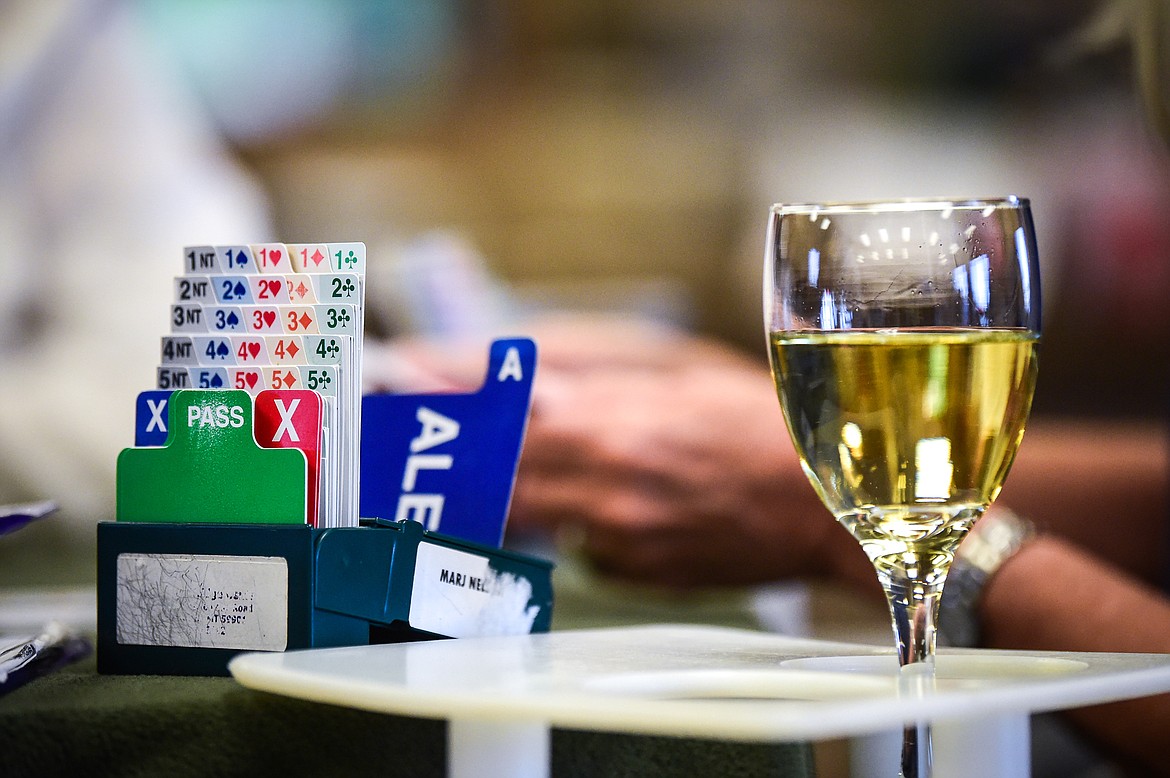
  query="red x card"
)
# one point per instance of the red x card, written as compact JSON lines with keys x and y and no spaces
{"x":291,"y":418}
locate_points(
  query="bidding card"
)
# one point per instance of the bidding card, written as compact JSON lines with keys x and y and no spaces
{"x":194,"y":289}
{"x":235,"y":259}
{"x":231,"y":290}
{"x":267,"y":317}
{"x":224,"y":319}
{"x":200,"y":259}
{"x":292,"y":419}
{"x":211,"y":469}
{"x":187,"y":318}
{"x":309,"y":257}
{"x":269,"y":290}
{"x":271,"y":258}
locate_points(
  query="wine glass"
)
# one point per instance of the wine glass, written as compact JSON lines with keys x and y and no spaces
{"x":903,"y":339}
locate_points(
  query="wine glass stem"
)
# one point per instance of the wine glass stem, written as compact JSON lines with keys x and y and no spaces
{"x":914,"y":610}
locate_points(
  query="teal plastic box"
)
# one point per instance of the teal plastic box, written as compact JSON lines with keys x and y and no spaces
{"x":183,"y":599}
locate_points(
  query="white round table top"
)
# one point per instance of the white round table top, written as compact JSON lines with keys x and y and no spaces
{"x":695,"y":681}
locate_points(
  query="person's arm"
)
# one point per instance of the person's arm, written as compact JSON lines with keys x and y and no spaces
{"x":1051,"y":595}
{"x":1104,"y":485}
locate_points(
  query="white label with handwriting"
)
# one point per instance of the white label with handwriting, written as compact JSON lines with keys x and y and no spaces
{"x":203,"y":601}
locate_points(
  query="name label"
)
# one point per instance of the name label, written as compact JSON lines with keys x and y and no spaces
{"x":459,"y":594}
{"x":202,"y":601}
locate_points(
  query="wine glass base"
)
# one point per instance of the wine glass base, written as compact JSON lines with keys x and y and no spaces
{"x":956,"y":667}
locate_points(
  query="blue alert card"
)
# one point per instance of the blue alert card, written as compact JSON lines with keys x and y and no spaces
{"x":448,"y":461}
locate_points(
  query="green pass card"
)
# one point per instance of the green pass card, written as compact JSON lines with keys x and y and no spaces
{"x":211,"y":469}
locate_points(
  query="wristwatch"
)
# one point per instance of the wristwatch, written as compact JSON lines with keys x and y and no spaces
{"x":992,"y":541}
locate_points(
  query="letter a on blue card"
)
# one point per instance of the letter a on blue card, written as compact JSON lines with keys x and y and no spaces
{"x":211,"y":469}
{"x":449,"y":461}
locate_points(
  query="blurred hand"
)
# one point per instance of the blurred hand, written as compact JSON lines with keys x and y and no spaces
{"x":665,"y":459}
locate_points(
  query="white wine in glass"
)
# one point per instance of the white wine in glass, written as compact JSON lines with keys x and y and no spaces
{"x":903,"y":341}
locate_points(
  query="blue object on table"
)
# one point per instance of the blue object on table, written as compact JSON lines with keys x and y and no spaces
{"x":27,"y":657}
{"x":13,"y":517}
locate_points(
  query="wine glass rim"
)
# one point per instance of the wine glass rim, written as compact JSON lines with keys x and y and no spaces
{"x":903,"y":204}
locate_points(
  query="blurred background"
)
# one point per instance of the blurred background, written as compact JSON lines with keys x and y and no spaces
{"x":621,"y":156}
{"x":595,"y":156}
